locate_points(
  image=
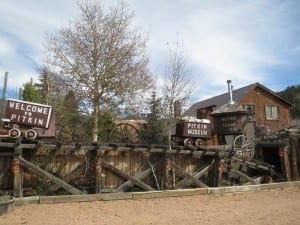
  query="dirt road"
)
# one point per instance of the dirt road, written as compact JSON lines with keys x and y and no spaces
{"x":275,"y":207}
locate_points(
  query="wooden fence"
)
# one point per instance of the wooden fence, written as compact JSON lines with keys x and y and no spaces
{"x":36,"y":168}
{"x":41,"y":169}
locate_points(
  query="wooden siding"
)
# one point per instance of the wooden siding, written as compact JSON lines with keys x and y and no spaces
{"x":261,"y":98}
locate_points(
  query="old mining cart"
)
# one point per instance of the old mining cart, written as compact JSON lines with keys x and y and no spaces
{"x":27,"y":119}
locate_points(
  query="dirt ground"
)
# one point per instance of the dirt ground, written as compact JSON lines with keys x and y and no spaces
{"x":271,"y":207}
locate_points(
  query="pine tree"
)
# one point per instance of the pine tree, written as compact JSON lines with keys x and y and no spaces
{"x":153,"y":132}
{"x":30,"y":92}
{"x":106,"y":124}
{"x":292,"y":94}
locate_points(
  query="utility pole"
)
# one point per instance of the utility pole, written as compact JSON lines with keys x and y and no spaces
{"x":3,"y":96}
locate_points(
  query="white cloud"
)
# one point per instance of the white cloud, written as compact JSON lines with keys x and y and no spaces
{"x":6,"y":47}
{"x":245,"y":41}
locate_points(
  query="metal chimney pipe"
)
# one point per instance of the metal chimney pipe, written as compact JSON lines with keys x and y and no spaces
{"x":230,"y":92}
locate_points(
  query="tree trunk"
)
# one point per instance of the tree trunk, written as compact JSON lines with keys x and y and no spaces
{"x":95,"y":121}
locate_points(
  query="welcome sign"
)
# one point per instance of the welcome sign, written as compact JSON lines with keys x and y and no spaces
{"x":28,"y":113}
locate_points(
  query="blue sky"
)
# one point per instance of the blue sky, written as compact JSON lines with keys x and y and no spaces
{"x":246,"y":41}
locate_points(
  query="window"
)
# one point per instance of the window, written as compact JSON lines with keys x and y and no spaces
{"x":272,"y":112}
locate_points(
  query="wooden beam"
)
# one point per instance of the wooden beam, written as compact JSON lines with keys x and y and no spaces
{"x":140,"y":176}
{"x":197,"y":175}
{"x":54,"y":179}
{"x":241,"y":174}
{"x":255,"y":165}
{"x":126,"y":176}
{"x":69,"y":177}
{"x":17,"y":170}
{"x":129,"y":184}
{"x":188,"y":176}
{"x":222,"y":151}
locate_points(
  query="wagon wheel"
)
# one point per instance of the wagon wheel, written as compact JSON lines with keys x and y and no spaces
{"x":243,"y":148}
{"x":124,"y":132}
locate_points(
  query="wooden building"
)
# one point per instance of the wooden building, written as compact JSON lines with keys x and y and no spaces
{"x":269,"y":111}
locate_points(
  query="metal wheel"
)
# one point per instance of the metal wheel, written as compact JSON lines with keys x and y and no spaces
{"x":30,"y":134}
{"x":14,"y":133}
{"x":188,"y":142}
{"x":124,"y":132}
{"x":199,"y":142}
{"x":243,"y":148}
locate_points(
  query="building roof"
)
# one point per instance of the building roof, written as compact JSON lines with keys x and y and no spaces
{"x":237,"y":95}
{"x":229,"y":108}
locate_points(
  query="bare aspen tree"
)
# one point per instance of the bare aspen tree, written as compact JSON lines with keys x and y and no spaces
{"x":178,"y":85}
{"x":102,"y":58}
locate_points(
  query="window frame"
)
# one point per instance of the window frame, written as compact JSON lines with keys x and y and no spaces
{"x":271,"y":113}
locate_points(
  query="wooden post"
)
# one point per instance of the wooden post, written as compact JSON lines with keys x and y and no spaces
{"x":287,"y":162}
{"x":17,"y":170}
{"x":294,"y":158}
{"x":213,"y":175}
{"x":98,"y":172}
{"x":221,"y":168}
{"x":168,"y":174}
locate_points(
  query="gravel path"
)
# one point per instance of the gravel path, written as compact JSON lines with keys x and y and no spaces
{"x":274,"y":207}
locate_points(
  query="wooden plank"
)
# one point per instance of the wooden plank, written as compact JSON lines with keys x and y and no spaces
{"x":69,"y":198}
{"x":156,"y":150}
{"x":171,"y":151}
{"x":54,"y":179}
{"x":185,"y":152}
{"x":198,"y":154}
{"x":169,"y":193}
{"x":84,"y":198}
{"x":27,"y":200}
{"x":106,"y":148}
{"x":4,"y":154}
{"x":140,"y":149}
{"x":126,"y":176}
{"x":216,"y":147}
{"x":7,"y":145}
{"x":122,"y":149}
